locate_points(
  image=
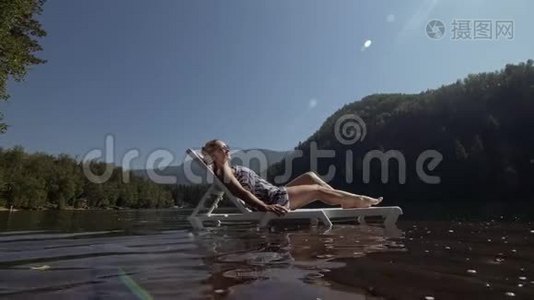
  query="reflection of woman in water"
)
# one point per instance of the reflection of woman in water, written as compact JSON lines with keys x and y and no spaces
{"x":257,"y":192}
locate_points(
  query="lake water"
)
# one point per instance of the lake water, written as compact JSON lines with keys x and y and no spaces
{"x":153,"y":254}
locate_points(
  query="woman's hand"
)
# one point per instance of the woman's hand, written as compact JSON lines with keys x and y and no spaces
{"x":276,"y":208}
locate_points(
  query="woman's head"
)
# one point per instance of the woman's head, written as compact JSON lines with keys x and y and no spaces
{"x":217,"y":151}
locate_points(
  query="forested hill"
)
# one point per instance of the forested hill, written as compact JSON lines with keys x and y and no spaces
{"x":481,"y":125}
{"x":40,"y":180}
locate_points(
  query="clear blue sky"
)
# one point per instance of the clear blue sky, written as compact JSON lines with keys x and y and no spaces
{"x":257,"y":74}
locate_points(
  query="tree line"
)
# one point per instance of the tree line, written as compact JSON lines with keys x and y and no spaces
{"x":40,"y":180}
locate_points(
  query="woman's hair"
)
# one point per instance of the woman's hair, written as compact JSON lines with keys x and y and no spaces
{"x":208,"y":148}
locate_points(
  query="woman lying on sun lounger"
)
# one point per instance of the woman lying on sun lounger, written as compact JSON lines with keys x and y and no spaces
{"x":257,"y":192}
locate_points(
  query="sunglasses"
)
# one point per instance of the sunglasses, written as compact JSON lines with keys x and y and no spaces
{"x":225,"y":148}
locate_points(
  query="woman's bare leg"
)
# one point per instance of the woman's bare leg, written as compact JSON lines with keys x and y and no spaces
{"x":301,"y":195}
{"x":309,"y":178}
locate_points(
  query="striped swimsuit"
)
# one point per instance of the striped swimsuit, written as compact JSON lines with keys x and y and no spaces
{"x":261,"y":188}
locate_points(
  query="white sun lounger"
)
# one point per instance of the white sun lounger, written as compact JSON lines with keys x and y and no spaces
{"x":204,"y":210}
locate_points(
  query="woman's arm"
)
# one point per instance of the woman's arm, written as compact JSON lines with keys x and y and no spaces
{"x":239,"y":191}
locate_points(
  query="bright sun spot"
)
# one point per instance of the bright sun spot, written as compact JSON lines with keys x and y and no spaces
{"x":366,"y":45}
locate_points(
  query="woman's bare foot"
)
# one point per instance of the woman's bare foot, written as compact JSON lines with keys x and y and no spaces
{"x":363,"y":202}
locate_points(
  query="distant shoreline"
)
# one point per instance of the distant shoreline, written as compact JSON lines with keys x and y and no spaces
{"x":3,"y":208}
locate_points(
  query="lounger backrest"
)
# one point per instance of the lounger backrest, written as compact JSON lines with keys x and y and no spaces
{"x":197,"y":157}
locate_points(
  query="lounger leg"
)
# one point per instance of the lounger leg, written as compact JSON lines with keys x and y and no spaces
{"x":264,"y":221}
{"x":361,"y":220}
{"x":392,"y":231}
{"x":391,"y":219}
{"x":196,"y":223}
{"x":202,"y":201}
{"x":326,"y":221}
{"x":215,"y":203}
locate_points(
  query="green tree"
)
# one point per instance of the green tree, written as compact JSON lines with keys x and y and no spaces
{"x":41,"y":180}
{"x":65,"y":183}
{"x":3,"y":126}
{"x":3,"y":185}
{"x":477,"y":147}
{"x":28,"y":191}
{"x":128,"y":194}
{"x":459,"y":150}
{"x":19,"y":30}
{"x":94,"y":193}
